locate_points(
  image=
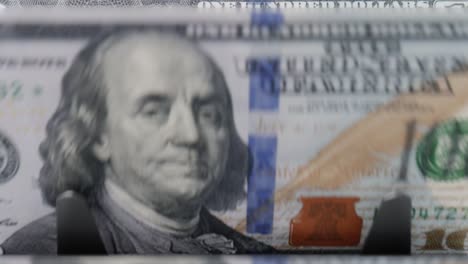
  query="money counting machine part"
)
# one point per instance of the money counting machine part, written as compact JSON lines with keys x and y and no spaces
{"x":390,"y":233}
{"x":77,"y":233}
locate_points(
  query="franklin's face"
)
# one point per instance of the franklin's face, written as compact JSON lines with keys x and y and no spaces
{"x":165,"y":134}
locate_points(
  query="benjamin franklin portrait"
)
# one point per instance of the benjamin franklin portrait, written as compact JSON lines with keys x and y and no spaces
{"x":144,"y":130}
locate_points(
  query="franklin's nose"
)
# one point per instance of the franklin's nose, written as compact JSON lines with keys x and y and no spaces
{"x":185,"y":128}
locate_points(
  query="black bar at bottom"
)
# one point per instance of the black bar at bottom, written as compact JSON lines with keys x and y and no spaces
{"x":390,"y":233}
{"x":77,"y":233}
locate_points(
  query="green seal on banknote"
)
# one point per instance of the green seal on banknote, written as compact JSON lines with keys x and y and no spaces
{"x":442,"y":154}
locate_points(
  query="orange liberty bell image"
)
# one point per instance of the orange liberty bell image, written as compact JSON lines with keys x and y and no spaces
{"x":326,"y":221}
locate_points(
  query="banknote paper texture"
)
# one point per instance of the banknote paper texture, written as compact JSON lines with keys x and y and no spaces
{"x":214,"y":4}
{"x":243,"y":259}
{"x":230,"y":259}
{"x":330,"y":114}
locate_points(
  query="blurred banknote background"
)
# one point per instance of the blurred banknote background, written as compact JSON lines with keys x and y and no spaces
{"x":232,"y":260}
{"x":217,"y":4}
{"x":237,"y":260}
{"x":338,"y":111}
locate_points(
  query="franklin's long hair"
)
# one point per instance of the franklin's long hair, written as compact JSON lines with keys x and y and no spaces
{"x":69,"y":163}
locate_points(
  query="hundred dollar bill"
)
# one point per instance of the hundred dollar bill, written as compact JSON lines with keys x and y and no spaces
{"x":313,"y":4}
{"x":304,"y":259}
{"x":233,"y":132}
{"x":228,"y":4}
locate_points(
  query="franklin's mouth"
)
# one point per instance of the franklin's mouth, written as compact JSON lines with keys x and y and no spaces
{"x":182,"y":162}
{"x":186,"y":167}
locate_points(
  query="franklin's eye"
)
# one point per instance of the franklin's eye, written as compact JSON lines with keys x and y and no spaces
{"x":209,"y":114}
{"x":159,"y":111}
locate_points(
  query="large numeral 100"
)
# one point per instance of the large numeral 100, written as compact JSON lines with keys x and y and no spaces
{"x":454,"y":240}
